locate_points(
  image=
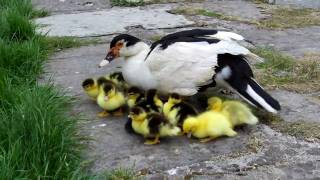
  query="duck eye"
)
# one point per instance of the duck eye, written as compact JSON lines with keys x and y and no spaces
{"x":120,"y":44}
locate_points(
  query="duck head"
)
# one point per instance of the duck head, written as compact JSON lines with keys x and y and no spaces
{"x":123,"y":45}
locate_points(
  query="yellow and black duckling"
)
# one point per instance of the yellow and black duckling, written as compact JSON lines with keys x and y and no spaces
{"x":117,"y":79}
{"x":110,"y":98}
{"x":153,"y":100}
{"x":237,"y":112}
{"x":135,"y":96}
{"x":176,"y":110}
{"x":90,"y":86}
{"x":150,"y":102}
{"x":208,"y":126}
{"x":151,"y":125}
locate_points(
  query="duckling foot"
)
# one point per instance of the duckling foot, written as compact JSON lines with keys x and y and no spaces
{"x":118,"y":113}
{"x":152,"y":142}
{"x":205,"y":140}
{"x":103,"y":114}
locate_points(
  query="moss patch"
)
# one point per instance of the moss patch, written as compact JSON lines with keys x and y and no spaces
{"x":60,"y":43}
{"x":299,"y":129}
{"x":127,"y":3}
{"x":155,"y":38}
{"x":203,"y":12}
{"x":283,"y":17}
{"x":283,"y":71}
{"x":254,"y":144}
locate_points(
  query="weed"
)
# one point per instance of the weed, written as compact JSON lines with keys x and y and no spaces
{"x":284,"y":71}
{"x":128,"y":3}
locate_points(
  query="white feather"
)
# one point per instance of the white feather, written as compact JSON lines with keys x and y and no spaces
{"x":181,"y":68}
{"x":228,"y":36}
{"x":259,"y":99}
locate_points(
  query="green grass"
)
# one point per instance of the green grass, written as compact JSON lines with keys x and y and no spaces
{"x":38,"y":137}
{"x":38,"y":133}
{"x":127,"y":3}
{"x":284,"y":71}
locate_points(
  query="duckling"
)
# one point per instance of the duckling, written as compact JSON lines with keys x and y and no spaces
{"x":90,"y":86}
{"x":135,"y":96}
{"x":176,"y":110}
{"x":117,"y":79}
{"x":238,"y":113}
{"x":110,"y":98}
{"x":208,"y":126}
{"x":153,"y":100}
{"x":151,"y":125}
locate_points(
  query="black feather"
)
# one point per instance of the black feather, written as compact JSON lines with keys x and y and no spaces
{"x":190,"y":33}
{"x":118,"y":76}
{"x":150,"y":95}
{"x":155,"y":120}
{"x":135,"y":90}
{"x":194,"y":35}
{"x":103,"y":80}
{"x":131,"y":40}
{"x":241,"y":76}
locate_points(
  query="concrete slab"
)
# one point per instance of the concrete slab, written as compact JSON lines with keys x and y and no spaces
{"x":68,"y":6}
{"x":300,"y":3}
{"x":110,"y":21}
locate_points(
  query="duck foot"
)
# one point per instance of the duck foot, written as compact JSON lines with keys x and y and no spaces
{"x":205,"y":140}
{"x":153,"y":142}
{"x":103,"y":114}
{"x":118,"y":112}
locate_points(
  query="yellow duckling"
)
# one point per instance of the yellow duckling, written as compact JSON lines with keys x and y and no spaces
{"x":117,"y":79}
{"x":176,"y":110}
{"x":238,"y":113}
{"x":208,"y":125}
{"x":110,"y":98}
{"x":135,"y":96}
{"x":90,"y":86}
{"x":151,"y":125}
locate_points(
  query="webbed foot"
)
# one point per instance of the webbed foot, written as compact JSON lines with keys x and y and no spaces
{"x":118,"y":113}
{"x":205,"y":140}
{"x":103,"y":114}
{"x":153,"y":142}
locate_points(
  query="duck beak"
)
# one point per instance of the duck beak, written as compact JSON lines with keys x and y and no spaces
{"x":107,"y":59}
